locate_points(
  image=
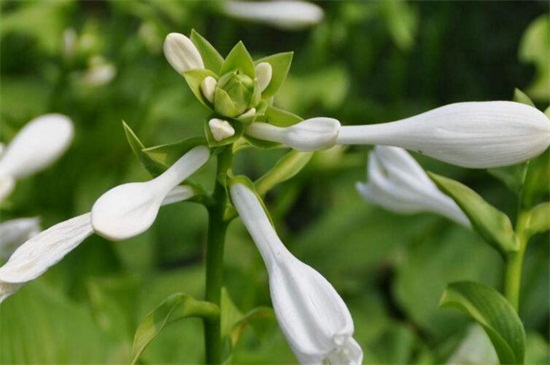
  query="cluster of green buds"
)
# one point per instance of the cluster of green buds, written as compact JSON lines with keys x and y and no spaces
{"x":237,"y":89}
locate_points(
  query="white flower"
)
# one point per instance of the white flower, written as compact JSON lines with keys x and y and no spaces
{"x":308,"y":135}
{"x":16,"y":231}
{"x":397,"y":182}
{"x":42,"y":141}
{"x":313,"y":317}
{"x":47,"y":248}
{"x":181,"y":53}
{"x":130,"y":209}
{"x":285,"y":14}
{"x":471,"y":134}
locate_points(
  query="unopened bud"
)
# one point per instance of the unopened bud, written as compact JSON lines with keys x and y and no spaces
{"x":221,"y":129}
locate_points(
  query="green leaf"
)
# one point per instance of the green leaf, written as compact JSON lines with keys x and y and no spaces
{"x":160,"y":158}
{"x":194,"y":79}
{"x":537,"y":180}
{"x":239,"y":59}
{"x":286,"y":168}
{"x":175,"y":307}
{"x":535,"y":48}
{"x":133,"y":139}
{"x":280,"y":117}
{"x":493,"y":225}
{"x":521,"y":97}
{"x":280,"y":64}
{"x":494,"y":313}
{"x":512,"y":176}
{"x":539,"y":220}
{"x":210,"y":56}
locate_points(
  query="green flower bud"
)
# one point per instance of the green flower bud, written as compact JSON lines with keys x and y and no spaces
{"x":235,"y":93}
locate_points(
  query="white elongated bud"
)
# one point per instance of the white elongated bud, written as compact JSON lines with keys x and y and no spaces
{"x":130,"y":209}
{"x":312,"y":316}
{"x":45,"y":249}
{"x":221,"y":129}
{"x":397,"y":183}
{"x":309,"y":135}
{"x":37,"y":145}
{"x":284,"y":14}
{"x":471,"y":134}
{"x":208,"y":88}
{"x":181,"y":53}
{"x":264,"y":72}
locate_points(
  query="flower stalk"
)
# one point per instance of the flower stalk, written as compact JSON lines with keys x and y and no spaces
{"x":217,"y":227}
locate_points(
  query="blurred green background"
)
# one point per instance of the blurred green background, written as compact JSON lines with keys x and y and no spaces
{"x":101,"y":62}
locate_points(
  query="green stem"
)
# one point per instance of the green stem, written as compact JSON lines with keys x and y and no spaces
{"x":514,"y":263}
{"x":217,"y":228}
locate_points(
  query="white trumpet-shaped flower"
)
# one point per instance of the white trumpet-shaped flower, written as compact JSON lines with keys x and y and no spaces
{"x":284,"y":14}
{"x":313,"y":317}
{"x":39,"y":144}
{"x":16,"y":231}
{"x":181,"y":53}
{"x":47,"y":248}
{"x":397,"y":183}
{"x":308,"y":135}
{"x":470,"y":134}
{"x":130,"y":209}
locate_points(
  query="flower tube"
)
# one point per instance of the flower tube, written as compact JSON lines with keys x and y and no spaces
{"x":308,"y":135}
{"x":471,"y":134}
{"x":397,"y":183}
{"x":47,"y":248}
{"x":39,"y":144}
{"x":313,"y":317}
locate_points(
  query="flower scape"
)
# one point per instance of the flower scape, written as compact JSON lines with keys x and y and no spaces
{"x":241,"y":95}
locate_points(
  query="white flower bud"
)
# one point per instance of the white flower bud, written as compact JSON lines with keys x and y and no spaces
{"x":285,"y":14}
{"x":221,"y":129}
{"x":130,"y":209}
{"x":312,"y":316}
{"x":264,"y":73}
{"x":208,"y":88}
{"x":397,"y":183}
{"x":39,"y":144}
{"x":309,"y":135}
{"x":472,"y":134}
{"x":181,"y":53}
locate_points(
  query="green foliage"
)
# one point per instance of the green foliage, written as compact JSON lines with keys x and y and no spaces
{"x":493,"y":312}
{"x":493,"y":225}
{"x":175,"y":307}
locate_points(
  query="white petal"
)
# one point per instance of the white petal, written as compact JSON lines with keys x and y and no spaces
{"x":309,"y":135}
{"x":178,"y":194}
{"x":130,"y":209}
{"x":44,"y":250}
{"x":16,"y":231}
{"x":282,"y":14}
{"x":264,"y":73}
{"x":472,"y":134}
{"x":37,"y":145}
{"x":181,"y":53}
